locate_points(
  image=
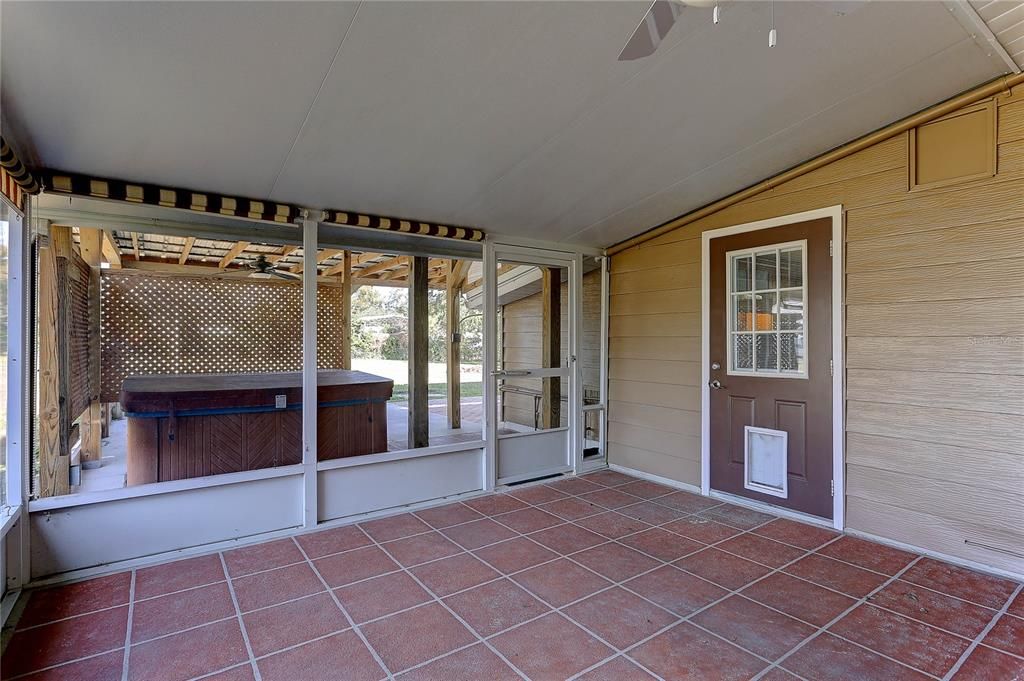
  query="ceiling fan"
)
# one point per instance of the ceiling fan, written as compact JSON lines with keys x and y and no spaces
{"x":264,"y":269}
{"x":659,"y":20}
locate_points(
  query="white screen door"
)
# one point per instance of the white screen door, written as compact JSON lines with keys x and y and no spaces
{"x":532,"y":380}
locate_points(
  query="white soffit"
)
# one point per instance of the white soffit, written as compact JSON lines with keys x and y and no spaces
{"x":514,"y":117}
{"x":1004,"y":19}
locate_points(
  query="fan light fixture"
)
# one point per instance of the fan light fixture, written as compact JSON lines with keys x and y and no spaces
{"x":662,"y":15}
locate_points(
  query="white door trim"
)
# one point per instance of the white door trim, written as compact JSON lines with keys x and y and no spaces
{"x":838,"y":414}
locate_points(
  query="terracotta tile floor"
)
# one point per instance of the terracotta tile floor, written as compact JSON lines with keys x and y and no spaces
{"x":600,"y":577}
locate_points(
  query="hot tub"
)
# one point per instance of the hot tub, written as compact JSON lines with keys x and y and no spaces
{"x":205,"y":424}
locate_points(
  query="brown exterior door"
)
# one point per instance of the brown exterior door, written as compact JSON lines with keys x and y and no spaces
{"x":771,"y":366}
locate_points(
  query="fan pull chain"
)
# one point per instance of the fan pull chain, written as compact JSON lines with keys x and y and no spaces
{"x":773,"y":36}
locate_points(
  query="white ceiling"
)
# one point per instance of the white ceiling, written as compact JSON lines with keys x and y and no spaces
{"x":511,"y":116}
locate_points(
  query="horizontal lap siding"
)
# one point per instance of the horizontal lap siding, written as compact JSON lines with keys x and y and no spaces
{"x":934,"y":315}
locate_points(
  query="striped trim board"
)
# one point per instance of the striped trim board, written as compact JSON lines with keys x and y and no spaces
{"x":77,"y":184}
{"x":15,"y":178}
{"x":11,"y":191}
{"x":399,"y":225}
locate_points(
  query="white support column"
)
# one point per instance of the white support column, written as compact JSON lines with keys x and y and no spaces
{"x":490,"y":392}
{"x":575,"y":419}
{"x":310,"y":512}
{"x":17,"y":567}
{"x":16,"y":370}
{"x":605,"y":311}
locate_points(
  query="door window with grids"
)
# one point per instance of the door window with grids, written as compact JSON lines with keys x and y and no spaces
{"x":767,"y":314}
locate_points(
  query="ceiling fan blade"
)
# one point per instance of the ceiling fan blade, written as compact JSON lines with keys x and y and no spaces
{"x":284,"y":275}
{"x":653,"y":28}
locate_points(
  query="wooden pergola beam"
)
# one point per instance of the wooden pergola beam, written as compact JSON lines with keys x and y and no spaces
{"x":453,"y":325}
{"x":346,"y":311}
{"x":186,"y":249}
{"x":93,"y":246}
{"x":419,"y":407}
{"x":233,"y":253}
{"x":54,"y":378}
{"x":135,"y":245}
{"x":551,"y":345}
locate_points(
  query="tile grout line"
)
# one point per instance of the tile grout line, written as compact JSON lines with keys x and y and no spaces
{"x":815,"y":551}
{"x":740,"y":532}
{"x":984,"y":632}
{"x":564,"y":520}
{"x":128,"y":629}
{"x":439,"y":601}
{"x":857,"y":603}
{"x":67,"y":662}
{"x":388,"y":674}
{"x":731,"y":593}
{"x":687,"y":618}
{"x":599,"y":510}
{"x":613,"y":584}
{"x":238,"y":616}
{"x":499,"y":578}
{"x":736,"y":592}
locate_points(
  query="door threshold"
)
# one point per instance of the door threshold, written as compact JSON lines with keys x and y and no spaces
{"x":773,"y":510}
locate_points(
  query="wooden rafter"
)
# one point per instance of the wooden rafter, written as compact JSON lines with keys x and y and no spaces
{"x":477,"y":283}
{"x":285,"y":252}
{"x":356,"y":260}
{"x":185,"y":250}
{"x":459,"y":272}
{"x":233,"y":253}
{"x":325,"y":254}
{"x":397,"y":274}
{"x":379,"y":267}
{"x":110,"y":250}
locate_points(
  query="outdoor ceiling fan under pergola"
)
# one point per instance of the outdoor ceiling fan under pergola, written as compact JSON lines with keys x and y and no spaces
{"x":264,"y":269}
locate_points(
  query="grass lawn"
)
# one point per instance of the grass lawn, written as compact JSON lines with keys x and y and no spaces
{"x":401,"y":392}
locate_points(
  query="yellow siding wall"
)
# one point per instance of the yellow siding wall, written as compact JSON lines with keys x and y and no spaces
{"x":934,"y":314}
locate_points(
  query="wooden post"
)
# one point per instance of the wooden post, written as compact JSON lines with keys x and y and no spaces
{"x":346,"y":310}
{"x":551,"y":332}
{"x":54,"y":383}
{"x":453,"y":289}
{"x":91,"y":244}
{"x":419,"y":408}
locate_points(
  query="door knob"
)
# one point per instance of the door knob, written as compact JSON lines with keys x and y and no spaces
{"x":716,"y":384}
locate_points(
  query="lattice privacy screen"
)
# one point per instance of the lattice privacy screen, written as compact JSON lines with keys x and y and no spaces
{"x":78,"y":272}
{"x":159,"y":324}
